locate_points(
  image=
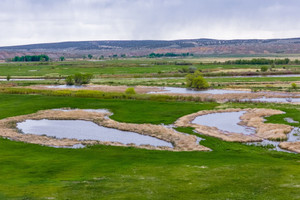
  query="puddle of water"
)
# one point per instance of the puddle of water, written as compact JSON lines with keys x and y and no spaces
{"x":24,"y":79}
{"x":191,"y":91}
{"x":75,"y":146}
{"x":293,"y":136}
{"x":290,"y":120}
{"x":227,"y":122}
{"x":276,"y":100}
{"x":65,"y":86}
{"x":86,"y":110}
{"x":85,"y":130}
{"x":278,"y":75}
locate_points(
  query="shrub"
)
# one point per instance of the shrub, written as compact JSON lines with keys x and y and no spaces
{"x":196,"y":80}
{"x":130,"y":91}
{"x":264,"y":69}
{"x":294,"y":86}
{"x":69,"y":80}
{"x":80,"y":79}
{"x":8,"y":77}
{"x":192,"y":69}
{"x":86,"y":78}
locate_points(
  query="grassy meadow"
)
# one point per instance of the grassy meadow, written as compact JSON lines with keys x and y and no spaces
{"x":230,"y":171}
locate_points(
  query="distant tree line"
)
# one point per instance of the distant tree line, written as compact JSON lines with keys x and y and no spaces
{"x":27,"y":58}
{"x":158,"y":55}
{"x":261,"y":61}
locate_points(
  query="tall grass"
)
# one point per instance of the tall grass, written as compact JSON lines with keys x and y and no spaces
{"x":103,"y":95}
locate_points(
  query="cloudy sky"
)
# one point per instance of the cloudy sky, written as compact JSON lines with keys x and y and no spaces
{"x":39,"y":21}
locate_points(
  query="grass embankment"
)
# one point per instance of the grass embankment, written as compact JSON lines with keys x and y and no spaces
{"x":102,"y":95}
{"x":230,"y":171}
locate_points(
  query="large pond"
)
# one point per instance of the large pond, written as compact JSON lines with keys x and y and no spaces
{"x":86,"y":130}
{"x":227,"y":121}
{"x":190,"y":91}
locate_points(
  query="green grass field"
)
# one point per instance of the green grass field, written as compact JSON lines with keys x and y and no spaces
{"x":230,"y":171}
{"x":116,"y":67}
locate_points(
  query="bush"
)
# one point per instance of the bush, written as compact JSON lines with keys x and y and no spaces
{"x":130,"y":91}
{"x":264,"y":69}
{"x":294,"y":86}
{"x":196,"y":80}
{"x":80,"y":79}
{"x":69,"y":80}
{"x":8,"y":77}
{"x":192,"y":69}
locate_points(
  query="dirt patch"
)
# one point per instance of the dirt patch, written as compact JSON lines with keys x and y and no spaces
{"x":291,"y":146}
{"x":181,"y":142}
{"x":252,"y":118}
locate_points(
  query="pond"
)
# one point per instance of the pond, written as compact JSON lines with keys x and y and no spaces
{"x":24,"y":79}
{"x":275,"y":100}
{"x":86,"y":130}
{"x":227,"y":122}
{"x":191,"y":91}
{"x":65,"y":86}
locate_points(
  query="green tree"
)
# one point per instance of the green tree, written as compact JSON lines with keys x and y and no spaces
{"x":69,"y":80}
{"x":130,"y":91}
{"x":62,"y":58}
{"x":294,"y":86}
{"x":264,"y":68}
{"x":196,"y":80}
{"x":90,"y":56}
{"x":8,"y":77}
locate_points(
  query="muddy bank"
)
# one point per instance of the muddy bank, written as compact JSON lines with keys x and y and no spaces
{"x":252,"y":118}
{"x":181,"y":142}
{"x":291,"y":146}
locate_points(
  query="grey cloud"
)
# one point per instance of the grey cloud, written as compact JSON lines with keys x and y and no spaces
{"x":34,"y":21}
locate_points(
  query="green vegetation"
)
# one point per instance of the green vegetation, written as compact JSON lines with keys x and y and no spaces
{"x":130,"y":91}
{"x":264,"y":69}
{"x":27,"y":58}
{"x":159,"y":55}
{"x":196,"y":80}
{"x":230,"y":171}
{"x":78,"y":79}
{"x":261,"y":61}
{"x":294,"y":86}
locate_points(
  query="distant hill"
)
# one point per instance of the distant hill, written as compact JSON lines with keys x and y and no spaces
{"x":144,"y":47}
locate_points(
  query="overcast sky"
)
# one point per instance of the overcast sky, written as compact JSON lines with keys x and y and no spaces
{"x":39,"y":21}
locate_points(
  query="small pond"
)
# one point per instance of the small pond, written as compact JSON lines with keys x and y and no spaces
{"x":23,"y":79}
{"x":275,"y":100}
{"x":191,"y":91}
{"x":254,"y":76}
{"x":293,"y":136}
{"x":86,"y":110}
{"x":86,"y":130}
{"x":65,"y":86}
{"x":227,"y":121}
